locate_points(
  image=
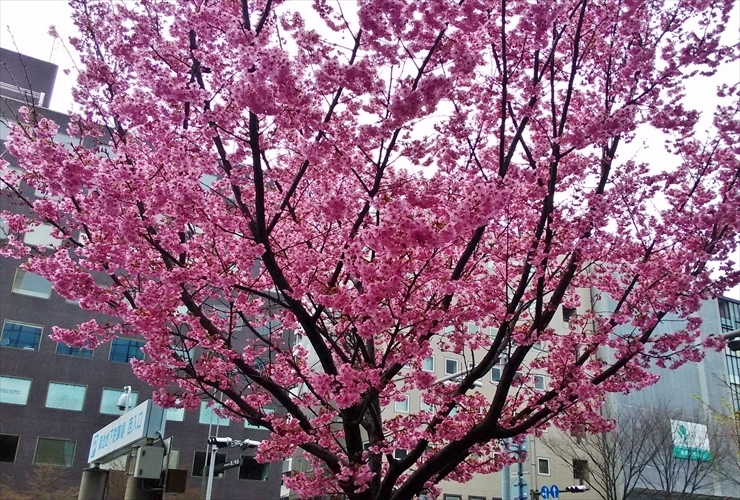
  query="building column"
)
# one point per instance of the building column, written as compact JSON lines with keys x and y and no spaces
{"x":93,"y":484}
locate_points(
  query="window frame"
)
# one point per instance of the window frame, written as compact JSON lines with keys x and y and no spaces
{"x":265,"y":476}
{"x":128,"y":349}
{"x":134,"y":394}
{"x":21,"y":273}
{"x":36,"y":450}
{"x":206,"y":463}
{"x":543,"y":460}
{"x":222,"y":422}
{"x":79,"y":350}
{"x":17,"y":445}
{"x":48,"y":393}
{"x":457,"y":366}
{"x":407,"y":401}
{"x":539,"y":378}
{"x":42,"y":238}
{"x":423,"y":364}
{"x":28,"y":391}
{"x":22,"y":324}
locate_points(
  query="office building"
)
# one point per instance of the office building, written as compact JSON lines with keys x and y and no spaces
{"x":53,"y":397}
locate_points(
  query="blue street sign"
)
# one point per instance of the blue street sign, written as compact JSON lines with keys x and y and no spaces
{"x":554,"y":491}
{"x":551,"y":492}
{"x":544,"y":493}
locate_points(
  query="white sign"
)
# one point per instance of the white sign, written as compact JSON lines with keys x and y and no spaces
{"x":14,"y":391}
{"x":690,"y":441}
{"x":146,"y":421}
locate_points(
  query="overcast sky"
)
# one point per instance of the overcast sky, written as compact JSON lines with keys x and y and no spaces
{"x":25,"y":25}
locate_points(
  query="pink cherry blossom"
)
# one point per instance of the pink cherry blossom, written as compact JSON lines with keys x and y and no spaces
{"x":296,"y":204}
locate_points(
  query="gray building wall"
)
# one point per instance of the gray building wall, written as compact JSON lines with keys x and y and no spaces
{"x":690,"y":391}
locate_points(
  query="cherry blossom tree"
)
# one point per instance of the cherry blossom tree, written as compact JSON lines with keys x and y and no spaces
{"x":374,"y":178}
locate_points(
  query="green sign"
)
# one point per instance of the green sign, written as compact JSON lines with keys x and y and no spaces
{"x":690,"y":441}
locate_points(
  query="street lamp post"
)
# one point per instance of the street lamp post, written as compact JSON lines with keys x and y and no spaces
{"x":224,"y":442}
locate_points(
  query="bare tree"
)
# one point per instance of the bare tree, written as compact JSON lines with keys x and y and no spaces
{"x":679,"y":463}
{"x":615,"y":459}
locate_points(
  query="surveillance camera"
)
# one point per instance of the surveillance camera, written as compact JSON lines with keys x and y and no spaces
{"x":123,"y":401}
{"x":220,"y":442}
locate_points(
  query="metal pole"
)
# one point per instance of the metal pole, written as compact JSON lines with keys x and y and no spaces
{"x":506,"y":483}
{"x":212,"y":466}
{"x":520,"y":474}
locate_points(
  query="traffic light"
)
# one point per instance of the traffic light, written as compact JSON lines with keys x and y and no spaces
{"x":220,"y":442}
{"x":578,"y":488}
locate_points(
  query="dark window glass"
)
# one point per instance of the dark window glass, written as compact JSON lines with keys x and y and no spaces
{"x":202,"y":460}
{"x":251,"y":469}
{"x":79,"y":352}
{"x":51,"y":451}
{"x":122,"y":350}
{"x":580,"y":469}
{"x":21,"y":336}
{"x":8,"y":447}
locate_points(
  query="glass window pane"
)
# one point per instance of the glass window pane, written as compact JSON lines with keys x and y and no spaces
{"x":201,"y":461}
{"x":14,"y":390}
{"x":175,"y":414}
{"x":79,"y":352}
{"x":4,"y":230}
{"x":41,"y":236}
{"x":495,"y":374}
{"x":51,"y":451}
{"x":122,"y":350}
{"x":21,"y":335}
{"x":253,"y":470}
{"x":266,"y":411}
{"x":65,"y":396}
{"x":402,"y":406}
{"x":428,"y":364}
{"x":208,"y":416}
{"x":31,"y":284}
{"x":8,"y":447}
{"x":451,"y":366}
{"x":109,"y":401}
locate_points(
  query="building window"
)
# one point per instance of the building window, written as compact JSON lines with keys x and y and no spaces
{"x":41,"y":236}
{"x":580,"y":469}
{"x":21,"y":335}
{"x":400,"y":454}
{"x":65,"y":396}
{"x":474,"y":497}
{"x":428,"y":364}
{"x":495,"y":374}
{"x":473,"y":328}
{"x":253,"y":470}
{"x":14,"y":391}
{"x":175,"y":414}
{"x":4,"y":229}
{"x":11,"y":177}
{"x":451,"y":366}
{"x":543,"y":466}
{"x":109,"y":401}
{"x":31,"y":284}
{"x":50,"y":451}
{"x":451,"y":497}
{"x":402,"y":406}
{"x":8,"y":447}
{"x":202,"y":460}
{"x":424,"y":406}
{"x":78,"y":352}
{"x":208,"y":416}
{"x":539,"y":382}
{"x":266,"y":411}
{"x":122,"y":350}
{"x":568,"y":314}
